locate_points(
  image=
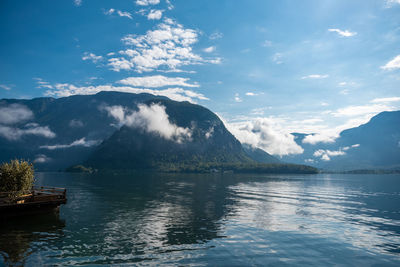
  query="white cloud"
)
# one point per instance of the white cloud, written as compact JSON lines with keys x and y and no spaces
{"x":157,"y":81}
{"x":14,"y":113}
{"x":155,"y":14}
{"x":75,"y":123}
{"x":391,"y":3}
{"x":216,"y":35}
{"x":320,"y":138}
{"x":118,"y":64}
{"x":124,"y":14}
{"x":267,"y":43}
{"x":237,"y":98}
{"x":41,"y":158}
{"x":165,"y":48}
{"x":327,"y":154}
{"x":78,"y":2}
{"x":361,"y":110}
{"x":177,"y":94}
{"x":80,"y":142}
{"x":392,"y":64}
{"x":92,"y":57}
{"x":151,"y":119}
{"x":251,"y":94}
{"x":386,"y":99}
{"x":147,"y":2}
{"x":42,"y":83}
{"x":13,"y":133}
{"x":5,"y":87}
{"x":110,"y":11}
{"x":344,"y":92}
{"x":265,"y":133}
{"x":277,"y":58}
{"x":209,"y":49}
{"x":209,"y":133}
{"x":344,"y":33}
{"x":315,"y":76}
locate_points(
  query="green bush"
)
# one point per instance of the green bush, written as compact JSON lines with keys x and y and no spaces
{"x":16,"y":177}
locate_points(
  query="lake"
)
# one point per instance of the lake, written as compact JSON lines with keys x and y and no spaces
{"x":213,"y":219}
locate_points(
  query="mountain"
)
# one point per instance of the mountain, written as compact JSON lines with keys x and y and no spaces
{"x":204,"y":140}
{"x":259,"y":155}
{"x":374,"y":145}
{"x":115,"y":130}
{"x":57,"y":133}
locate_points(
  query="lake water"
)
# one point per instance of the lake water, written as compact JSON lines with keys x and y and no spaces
{"x":202,"y":220}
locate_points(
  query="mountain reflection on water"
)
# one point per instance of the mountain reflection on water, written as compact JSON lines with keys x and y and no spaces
{"x":213,"y":220}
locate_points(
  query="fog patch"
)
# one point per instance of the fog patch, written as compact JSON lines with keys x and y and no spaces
{"x":151,"y":119}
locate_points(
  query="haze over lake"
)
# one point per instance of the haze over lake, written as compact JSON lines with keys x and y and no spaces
{"x":204,"y":219}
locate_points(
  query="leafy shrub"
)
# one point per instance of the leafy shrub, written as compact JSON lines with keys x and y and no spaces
{"x":16,"y":177}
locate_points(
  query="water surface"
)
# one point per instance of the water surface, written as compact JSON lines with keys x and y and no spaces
{"x":202,"y":220}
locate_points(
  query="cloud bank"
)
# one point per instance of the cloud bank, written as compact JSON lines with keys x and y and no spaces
{"x":264,"y":133}
{"x":151,"y":119}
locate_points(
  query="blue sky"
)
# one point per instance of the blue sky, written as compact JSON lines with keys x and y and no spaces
{"x":271,"y":67}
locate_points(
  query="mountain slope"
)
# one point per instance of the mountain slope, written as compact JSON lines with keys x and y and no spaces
{"x":374,"y":145}
{"x":210,"y":142}
{"x":56,"y":133}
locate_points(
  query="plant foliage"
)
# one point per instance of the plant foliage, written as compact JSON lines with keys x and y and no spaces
{"x":16,"y":178}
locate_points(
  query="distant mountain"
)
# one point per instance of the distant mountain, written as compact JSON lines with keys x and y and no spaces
{"x":259,"y":155}
{"x":374,"y":145}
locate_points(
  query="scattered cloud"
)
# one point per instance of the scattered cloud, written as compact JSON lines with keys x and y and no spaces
{"x":92,"y":57}
{"x":277,"y":58}
{"x":157,"y":81}
{"x":344,"y":33}
{"x":147,"y":2}
{"x":391,"y":3}
{"x":266,"y":43}
{"x":315,"y":76}
{"x":209,"y":133}
{"x":13,"y":133}
{"x":265,"y":133}
{"x":177,"y":94}
{"x":77,"y":2}
{"x":42,"y":83}
{"x":392,"y":64}
{"x":118,"y":64}
{"x":151,"y":119}
{"x":75,"y":123}
{"x":124,"y":14}
{"x":237,"y":98}
{"x":155,"y":14}
{"x":344,"y":92}
{"x":351,"y":111}
{"x":386,"y":99}
{"x":166,"y":48}
{"x":209,"y":49}
{"x":110,"y":11}
{"x":251,"y":94}
{"x":320,"y":138}
{"x":80,"y":142}
{"x":327,"y":154}
{"x":41,"y":158}
{"x":216,"y":35}
{"x":5,"y":87}
{"x":14,"y":113}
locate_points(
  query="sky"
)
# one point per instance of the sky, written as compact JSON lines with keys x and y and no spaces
{"x":267,"y":68}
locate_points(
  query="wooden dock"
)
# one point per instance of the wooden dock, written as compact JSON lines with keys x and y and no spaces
{"x":40,"y":199}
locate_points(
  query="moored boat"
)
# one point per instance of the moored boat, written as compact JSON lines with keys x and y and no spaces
{"x":40,"y":199}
